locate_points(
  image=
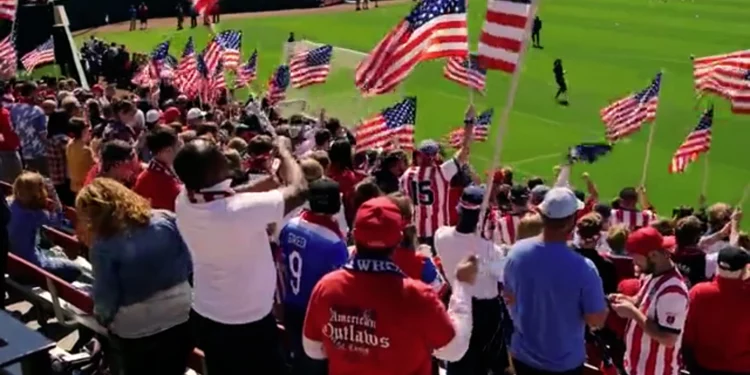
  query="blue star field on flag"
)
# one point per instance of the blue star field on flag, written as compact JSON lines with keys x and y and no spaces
{"x":426,"y":11}
{"x":403,"y":113}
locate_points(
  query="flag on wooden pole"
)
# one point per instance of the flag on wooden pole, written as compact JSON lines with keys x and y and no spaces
{"x":503,"y":34}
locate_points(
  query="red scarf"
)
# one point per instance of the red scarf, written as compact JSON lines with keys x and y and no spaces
{"x":159,"y":167}
{"x":208,"y":196}
{"x":323,"y":221}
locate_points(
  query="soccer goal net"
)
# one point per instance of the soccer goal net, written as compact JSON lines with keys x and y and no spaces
{"x":338,"y":95}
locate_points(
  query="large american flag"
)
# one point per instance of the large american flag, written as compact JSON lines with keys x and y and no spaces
{"x":186,"y":66}
{"x":248,"y":72}
{"x":226,"y":45}
{"x":150,"y":74}
{"x":277,"y":85}
{"x":627,"y":115}
{"x":43,"y":54}
{"x":725,"y":75}
{"x":198,"y":78}
{"x":8,"y":9}
{"x":392,"y":127}
{"x":310,"y":67}
{"x":202,"y":6}
{"x":481,"y":130}
{"x":433,"y":29}
{"x":696,"y":143}
{"x":466,"y":71}
{"x":503,"y":33}
{"x":8,"y":56}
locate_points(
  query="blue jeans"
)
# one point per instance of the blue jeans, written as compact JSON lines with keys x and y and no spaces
{"x":294,"y":318}
{"x":63,"y":268}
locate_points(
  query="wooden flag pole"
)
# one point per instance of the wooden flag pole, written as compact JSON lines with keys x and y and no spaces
{"x":504,"y":117}
{"x":745,"y":193}
{"x":648,"y":148}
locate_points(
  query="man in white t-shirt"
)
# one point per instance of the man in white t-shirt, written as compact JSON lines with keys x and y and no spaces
{"x":234,"y":277}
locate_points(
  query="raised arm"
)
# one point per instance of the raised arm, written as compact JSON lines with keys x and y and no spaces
{"x":591,"y":187}
{"x":295,"y":191}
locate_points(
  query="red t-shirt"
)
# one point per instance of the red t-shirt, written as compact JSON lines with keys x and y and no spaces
{"x":10,"y":141}
{"x":158,"y":187}
{"x":375,"y":323}
{"x":347,"y":180}
{"x":92,"y":174}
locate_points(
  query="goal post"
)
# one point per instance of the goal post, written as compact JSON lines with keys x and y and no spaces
{"x":338,"y":95}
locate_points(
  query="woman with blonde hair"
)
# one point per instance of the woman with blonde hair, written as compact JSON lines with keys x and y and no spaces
{"x":30,"y":210}
{"x":141,"y":272}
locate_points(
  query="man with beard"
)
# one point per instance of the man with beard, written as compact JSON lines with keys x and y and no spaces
{"x":657,"y":313}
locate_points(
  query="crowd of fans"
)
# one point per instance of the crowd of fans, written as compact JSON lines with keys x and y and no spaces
{"x":207,"y":225}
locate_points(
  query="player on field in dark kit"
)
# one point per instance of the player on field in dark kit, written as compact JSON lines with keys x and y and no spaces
{"x":562,"y":86}
{"x":536,"y":30}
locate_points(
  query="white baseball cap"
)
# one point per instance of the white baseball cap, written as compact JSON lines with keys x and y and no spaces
{"x":195,"y":113}
{"x":560,"y":203}
{"x":153,"y":116}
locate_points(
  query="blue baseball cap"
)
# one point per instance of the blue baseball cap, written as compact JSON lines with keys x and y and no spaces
{"x":471,"y":198}
{"x":560,"y":203}
{"x":429,"y":147}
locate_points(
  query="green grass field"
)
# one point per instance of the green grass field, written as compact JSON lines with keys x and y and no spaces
{"x":609,"y":48}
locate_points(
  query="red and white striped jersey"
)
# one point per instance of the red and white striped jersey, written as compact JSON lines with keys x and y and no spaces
{"x":634,"y":219}
{"x":427,"y":186}
{"x":506,"y":227}
{"x":664,"y":300}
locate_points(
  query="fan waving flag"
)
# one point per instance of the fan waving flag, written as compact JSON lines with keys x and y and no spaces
{"x":202,"y":6}
{"x":466,"y":71}
{"x":277,"y":85}
{"x":503,"y":33}
{"x":159,"y":59}
{"x":391,"y":127}
{"x":8,"y":56}
{"x":433,"y":29}
{"x":725,"y":75}
{"x":186,"y":66}
{"x":248,"y":72}
{"x":226,"y":45}
{"x":8,"y":9}
{"x":696,"y":143}
{"x":43,"y":54}
{"x":627,"y":115}
{"x":310,"y":67}
{"x":481,"y":130}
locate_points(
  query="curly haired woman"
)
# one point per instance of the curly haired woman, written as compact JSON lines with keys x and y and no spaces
{"x":141,"y":272}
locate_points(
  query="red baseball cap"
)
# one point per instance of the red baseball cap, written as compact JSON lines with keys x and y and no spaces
{"x":171,"y":115}
{"x":648,"y":239}
{"x":97,"y":88}
{"x":378,"y":224}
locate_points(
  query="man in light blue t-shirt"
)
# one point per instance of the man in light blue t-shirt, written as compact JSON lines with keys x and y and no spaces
{"x":552,"y":293}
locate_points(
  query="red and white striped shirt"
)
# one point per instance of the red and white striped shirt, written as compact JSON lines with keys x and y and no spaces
{"x":428,"y":186}
{"x":506,"y":227}
{"x":663,"y":299}
{"x":634,"y":219}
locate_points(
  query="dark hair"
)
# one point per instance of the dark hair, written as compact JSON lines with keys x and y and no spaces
{"x":364,"y":191}
{"x":199,"y":163}
{"x":159,"y":138}
{"x":57,"y":123}
{"x":322,"y":136}
{"x":124,"y":106}
{"x":391,"y":158}
{"x":341,"y":154}
{"x":76,"y":126}
{"x":259,"y":145}
{"x":114,"y":152}
{"x":207,"y":128}
{"x":333,"y":124}
{"x":688,"y":231}
{"x":590,"y":225}
{"x":534,"y":181}
{"x":27,"y":89}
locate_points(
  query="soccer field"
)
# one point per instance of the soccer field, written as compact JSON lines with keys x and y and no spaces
{"x":609,"y":49}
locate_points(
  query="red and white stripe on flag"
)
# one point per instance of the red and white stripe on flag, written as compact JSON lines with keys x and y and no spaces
{"x":503,"y":33}
{"x":8,"y":9}
{"x":201,"y":6}
{"x":726,"y":75}
{"x":457,"y":70}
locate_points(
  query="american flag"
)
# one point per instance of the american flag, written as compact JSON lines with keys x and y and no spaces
{"x":248,"y":72}
{"x":198,"y":78}
{"x":466,"y":71}
{"x":159,"y":59}
{"x":433,"y":29}
{"x":186,"y":66}
{"x":394,"y":123}
{"x":43,"y":54}
{"x":277,"y":85}
{"x":481,"y":130}
{"x":218,"y":82}
{"x":310,"y":67}
{"x":8,"y":9}
{"x":8,"y":56}
{"x":226,"y":45}
{"x":627,"y":115}
{"x":503,"y":33}
{"x":696,"y":143}
{"x":725,"y":75}
{"x":201,"y":6}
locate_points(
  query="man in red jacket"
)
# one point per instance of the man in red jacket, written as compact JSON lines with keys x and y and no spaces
{"x":158,"y":183}
{"x":9,"y":143}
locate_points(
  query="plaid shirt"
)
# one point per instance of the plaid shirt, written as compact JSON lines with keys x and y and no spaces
{"x":58,"y":166}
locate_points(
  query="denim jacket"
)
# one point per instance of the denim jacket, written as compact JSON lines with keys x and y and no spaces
{"x":134,"y":266}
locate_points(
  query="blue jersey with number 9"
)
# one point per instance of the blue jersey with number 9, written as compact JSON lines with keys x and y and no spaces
{"x":309,"y":251}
